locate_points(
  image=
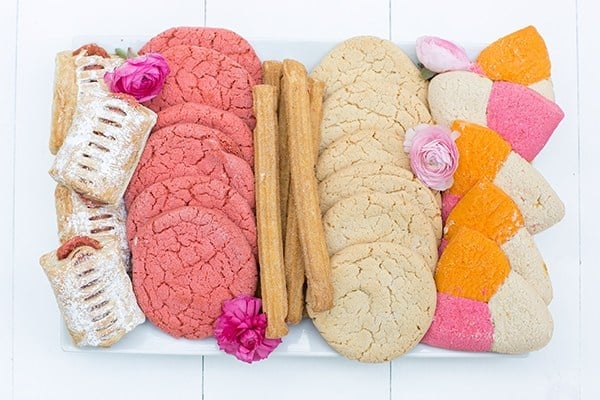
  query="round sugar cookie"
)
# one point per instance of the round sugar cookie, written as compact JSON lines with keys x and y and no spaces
{"x":364,"y":58}
{"x":383,"y":302}
{"x":179,"y":150}
{"x":371,"y":145}
{"x":186,"y":263}
{"x":372,"y":217}
{"x":228,"y":123}
{"x":222,"y":40}
{"x":196,"y":190}
{"x":364,"y":178}
{"x":201,"y":75}
{"x":373,"y":104}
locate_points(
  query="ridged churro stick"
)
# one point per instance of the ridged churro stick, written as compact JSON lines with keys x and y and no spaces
{"x":272,"y":71}
{"x":294,"y":261}
{"x":270,"y":244}
{"x":304,"y":186}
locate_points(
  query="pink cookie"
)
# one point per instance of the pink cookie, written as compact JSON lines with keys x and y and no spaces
{"x":222,"y":40}
{"x":223,"y":121}
{"x":523,"y":117}
{"x":179,"y":150}
{"x":199,"y":190}
{"x":202,"y":75}
{"x":186,"y":263}
{"x":460,"y":324}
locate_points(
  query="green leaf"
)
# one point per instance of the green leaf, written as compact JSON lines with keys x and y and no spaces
{"x":427,"y":74}
{"x":121,"y":53}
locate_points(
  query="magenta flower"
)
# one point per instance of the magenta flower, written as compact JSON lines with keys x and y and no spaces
{"x":141,"y":77}
{"x":433,"y":154}
{"x":439,"y":55}
{"x":240,"y":330}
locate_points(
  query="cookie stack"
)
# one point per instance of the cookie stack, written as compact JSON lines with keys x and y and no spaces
{"x":190,"y":202}
{"x":382,"y":225}
{"x":493,"y":285}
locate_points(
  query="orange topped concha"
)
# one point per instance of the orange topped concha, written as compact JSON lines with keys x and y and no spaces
{"x":520,"y":57}
{"x":488,"y":210}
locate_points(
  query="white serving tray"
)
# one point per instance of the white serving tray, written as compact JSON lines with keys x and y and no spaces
{"x":303,"y":339}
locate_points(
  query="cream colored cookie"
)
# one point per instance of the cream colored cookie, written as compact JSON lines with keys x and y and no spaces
{"x":544,"y":87}
{"x":359,"y":178}
{"x":540,"y":205}
{"x":384,"y":299}
{"x":373,"y":104}
{"x":522,"y":321}
{"x":459,"y":95}
{"x":371,"y":217}
{"x":366,"y":58}
{"x":370,"y":145}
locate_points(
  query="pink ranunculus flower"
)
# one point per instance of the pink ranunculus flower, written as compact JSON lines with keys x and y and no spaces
{"x":439,"y":55}
{"x":141,"y":77}
{"x":240,"y":330}
{"x":433,"y":154}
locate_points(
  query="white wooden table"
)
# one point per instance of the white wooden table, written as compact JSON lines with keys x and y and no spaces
{"x":32,"y":364}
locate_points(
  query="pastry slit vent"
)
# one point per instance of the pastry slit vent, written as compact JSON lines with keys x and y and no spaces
{"x":101,"y":216}
{"x":99,"y":147}
{"x":99,"y":305}
{"x":110,"y":122}
{"x":94,"y":295}
{"x":102,"y":134}
{"x":92,"y":67}
{"x":86,"y":272}
{"x":116,"y":110}
{"x":86,"y":167}
{"x":108,"y":326}
{"x":90,"y":283}
{"x":90,"y":81}
{"x":101,"y":317}
{"x":86,"y":155}
{"x":103,"y":229}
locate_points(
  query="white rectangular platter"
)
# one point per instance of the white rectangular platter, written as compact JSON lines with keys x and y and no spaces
{"x":303,"y":339}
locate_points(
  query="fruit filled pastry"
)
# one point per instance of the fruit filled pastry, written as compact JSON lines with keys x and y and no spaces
{"x":77,"y":73}
{"x":77,"y":215}
{"x":92,"y":289}
{"x":484,"y":154}
{"x":103,"y":145}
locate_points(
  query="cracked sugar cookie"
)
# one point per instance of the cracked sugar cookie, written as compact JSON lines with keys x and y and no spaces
{"x":228,"y":123}
{"x":364,"y":58}
{"x":370,"y":145}
{"x":373,"y":104}
{"x":180,"y":150}
{"x":390,"y":179}
{"x":372,"y":217}
{"x":224,"y":41}
{"x":383,"y":302}
{"x":186,"y":263}
{"x":197,"y":190}
{"x":202,"y":75}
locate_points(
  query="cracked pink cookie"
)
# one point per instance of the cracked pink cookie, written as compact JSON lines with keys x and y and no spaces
{"x":383,"y":302}
{"x":373,"y":217}
{"x":201,"y":75}
{"x":367,"y":58}
{"x":201,"y":114}
{"x":222,"y":40}
{"x":198,"y":190}
{"x":373,"y":104}
{"x":186,"y":263}
{"x":179,"y":150}
{"x":369,"y":145}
